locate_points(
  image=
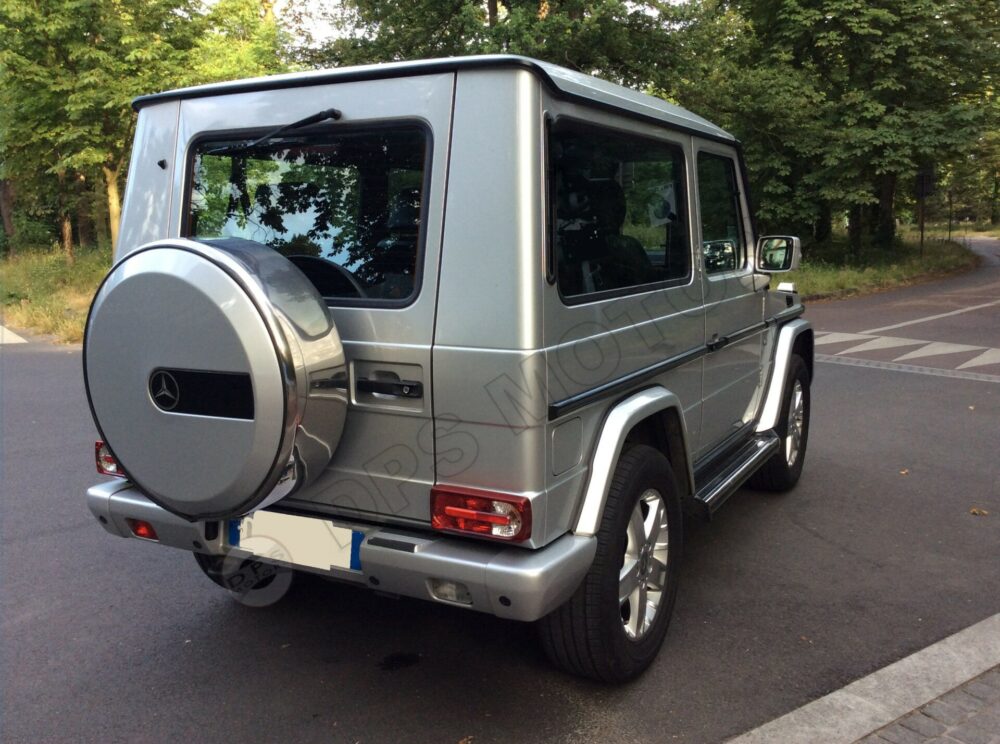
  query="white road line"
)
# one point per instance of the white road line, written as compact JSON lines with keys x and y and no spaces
{"x":938,"y":348}
{"x":9,"y":337}
{"x":880,"y":698}
{"x":933,"y":317}
{"x":882,"y":342}
{"x":990,"y":356}
{"x":836,"y":338}
{"x":911,"y":368}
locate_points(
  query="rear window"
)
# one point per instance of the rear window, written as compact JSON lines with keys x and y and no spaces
{"x":346,"y":207}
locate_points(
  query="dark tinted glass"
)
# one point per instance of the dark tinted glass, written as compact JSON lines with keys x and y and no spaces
{"x":618,"y":212}
{"x":344,"y":206}
{"x":721,"y":224}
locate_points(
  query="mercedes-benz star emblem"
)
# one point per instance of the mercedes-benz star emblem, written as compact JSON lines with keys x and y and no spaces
{"x":163,"y":387}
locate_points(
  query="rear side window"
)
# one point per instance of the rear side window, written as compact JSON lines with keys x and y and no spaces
{"x":344,"y":206}
{"x":618,"y":212}
{"x":721,"y":220}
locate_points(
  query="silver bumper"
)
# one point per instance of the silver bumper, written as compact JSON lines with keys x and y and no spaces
{"x":509,"y":582}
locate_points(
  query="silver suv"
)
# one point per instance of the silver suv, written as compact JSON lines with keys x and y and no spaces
{"x":479,"y":331}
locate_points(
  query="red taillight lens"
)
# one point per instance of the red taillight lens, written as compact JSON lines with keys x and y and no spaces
{"x":143,"y":529}
{"x":106,"y":462}
{"x":470,"y":511}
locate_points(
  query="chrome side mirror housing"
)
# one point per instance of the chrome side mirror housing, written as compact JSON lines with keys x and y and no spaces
{"x":778,"y":253}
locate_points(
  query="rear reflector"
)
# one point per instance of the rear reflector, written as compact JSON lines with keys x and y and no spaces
{"x":470,"y":511}
{"x":141,"y":528}
{"x":450,"y":591}
{"x":106,"y":462}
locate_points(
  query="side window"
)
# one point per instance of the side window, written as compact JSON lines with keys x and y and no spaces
{"x":618,"y":211}
{"x":721,"y":219}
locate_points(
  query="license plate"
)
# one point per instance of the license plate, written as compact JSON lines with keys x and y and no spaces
{"x":298,"y":541}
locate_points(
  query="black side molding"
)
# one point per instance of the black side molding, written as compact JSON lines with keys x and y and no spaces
{"x":623,"y":383}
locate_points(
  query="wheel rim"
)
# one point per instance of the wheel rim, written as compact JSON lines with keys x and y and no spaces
{"x":795,"y":425}
{"x":643,"y":575}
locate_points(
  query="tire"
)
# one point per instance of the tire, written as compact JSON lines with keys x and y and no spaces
{"x":782,"y":471}
{"x":595,"y":633}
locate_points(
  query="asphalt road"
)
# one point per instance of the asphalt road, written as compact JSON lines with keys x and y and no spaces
{"x":783,"y":598}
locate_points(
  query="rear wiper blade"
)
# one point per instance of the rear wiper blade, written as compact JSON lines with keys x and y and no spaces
{"x":249,"y":145}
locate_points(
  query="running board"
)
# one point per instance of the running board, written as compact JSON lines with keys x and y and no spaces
{"x":737,"y":468}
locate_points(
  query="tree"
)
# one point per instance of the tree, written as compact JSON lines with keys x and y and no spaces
{"x":906,"y":82}
{"x":72,"y":67}
{"x":723,"y":71}
{"x":625,"y":41}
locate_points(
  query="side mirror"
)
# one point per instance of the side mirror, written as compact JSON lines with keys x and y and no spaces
{"x":778,"y":253}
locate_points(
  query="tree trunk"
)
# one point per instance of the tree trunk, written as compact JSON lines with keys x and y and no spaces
{"x":823,"y":228}
{"x":7,"y":212}
{"x":885,"y":229}
{"x":114,"y":202}
{"x":995,"y":200}
{"x":855,"y":229}
{"x":66,"y":225}
{"x":84,"y":223}
{"x":7,"y":206}
{"x":491,"y":12}
{"x":100,"y":215}
{"x":65,"y":222}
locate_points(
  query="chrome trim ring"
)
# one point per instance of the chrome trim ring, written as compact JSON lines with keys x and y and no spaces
{"x":795,"y":424}
{"x":643,"y":575}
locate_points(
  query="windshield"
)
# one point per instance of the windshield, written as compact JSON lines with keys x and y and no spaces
{"x":344,"y":206}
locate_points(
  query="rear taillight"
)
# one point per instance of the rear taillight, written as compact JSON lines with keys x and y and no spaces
{"x":470,"y":511}
{"x":106,"y":462}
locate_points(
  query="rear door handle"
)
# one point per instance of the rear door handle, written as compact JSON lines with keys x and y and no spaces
{"x":395,"y":388}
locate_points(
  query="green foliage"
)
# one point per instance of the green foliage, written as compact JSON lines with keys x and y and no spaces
{"x":72,"y":67}
{"x":839,"y":102}
{"x":624,"y":41}
{"x":236,"y":43}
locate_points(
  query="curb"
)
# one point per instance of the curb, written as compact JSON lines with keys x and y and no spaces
{"x":873,"y":702}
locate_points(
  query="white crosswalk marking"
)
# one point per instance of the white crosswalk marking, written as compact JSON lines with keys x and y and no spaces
{"x":948,"y":355}
{"x":990,"y":356}
{"x":9,"y":337}
{"x":937,"y":348}
{"x":836,"y":338}
{"x":883,"y":342}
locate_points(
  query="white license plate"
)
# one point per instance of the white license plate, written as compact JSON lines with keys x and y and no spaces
{"x":298,"y":541}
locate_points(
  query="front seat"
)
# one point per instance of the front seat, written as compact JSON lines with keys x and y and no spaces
{"x":625,"y":262}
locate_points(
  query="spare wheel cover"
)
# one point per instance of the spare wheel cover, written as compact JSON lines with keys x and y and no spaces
{"x":191,"y":374}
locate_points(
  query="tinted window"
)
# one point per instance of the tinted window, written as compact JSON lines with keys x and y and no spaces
{"x":344,"y":206}
{"x":618,"y":211}
{"x":721,"y":223}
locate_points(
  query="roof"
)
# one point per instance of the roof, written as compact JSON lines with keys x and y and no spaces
{"x":562,"y":82}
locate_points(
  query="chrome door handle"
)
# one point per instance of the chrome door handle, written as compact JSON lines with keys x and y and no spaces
{"x":395,"y":388}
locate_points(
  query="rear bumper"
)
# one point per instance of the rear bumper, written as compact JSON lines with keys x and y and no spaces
{"x":509,"y":582}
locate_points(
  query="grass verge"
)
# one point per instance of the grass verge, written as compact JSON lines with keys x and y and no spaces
{"x":823,"y":274}
{"x":41,"y":292}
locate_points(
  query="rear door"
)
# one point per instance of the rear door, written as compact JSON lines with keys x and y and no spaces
{"x":357,"y":205}
{"x":734,"y":307}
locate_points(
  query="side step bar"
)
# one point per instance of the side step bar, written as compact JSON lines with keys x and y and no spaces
{"x":735,"y":470}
